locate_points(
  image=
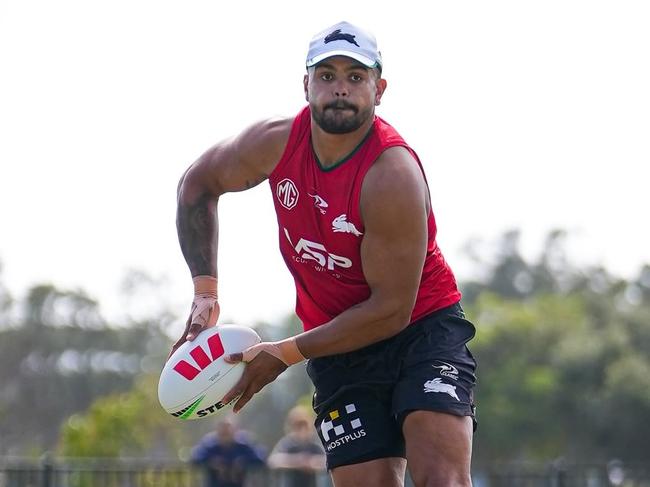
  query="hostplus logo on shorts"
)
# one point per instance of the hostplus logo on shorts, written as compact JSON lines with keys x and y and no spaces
{"x":339,"y":430}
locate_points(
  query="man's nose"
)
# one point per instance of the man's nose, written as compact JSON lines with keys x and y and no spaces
{"x":341,"y":89}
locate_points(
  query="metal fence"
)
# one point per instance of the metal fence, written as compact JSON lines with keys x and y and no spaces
{"x":559,"y":474}
{"x":124,"y":473}
{"x":96,"y":473}
{"x":49,"y":472}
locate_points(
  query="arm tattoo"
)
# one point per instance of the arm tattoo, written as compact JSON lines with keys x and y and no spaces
{"x":198,"y":228}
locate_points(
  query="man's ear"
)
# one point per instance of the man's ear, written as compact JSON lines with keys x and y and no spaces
{"x":381,"y":88}
{"x":305,"y":84}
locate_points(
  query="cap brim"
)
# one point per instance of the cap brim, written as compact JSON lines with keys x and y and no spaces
{"x":366,"y":61}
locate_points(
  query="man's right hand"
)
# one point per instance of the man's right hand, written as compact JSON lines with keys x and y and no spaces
{"x":205,"y":310}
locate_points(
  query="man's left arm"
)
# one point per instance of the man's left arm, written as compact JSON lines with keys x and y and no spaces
{"x":394,"y":207}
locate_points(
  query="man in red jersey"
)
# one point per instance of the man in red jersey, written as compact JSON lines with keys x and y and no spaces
{"x":384,"y":331}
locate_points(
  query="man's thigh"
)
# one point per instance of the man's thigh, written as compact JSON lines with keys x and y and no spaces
{"x":438,"y":448}
{"x":384,"y":472}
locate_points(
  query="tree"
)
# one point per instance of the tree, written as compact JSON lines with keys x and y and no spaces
{"x":6,"y":302}
{"x":564,"y":362}
{"x":58,"y":356}
{"x":125,"y":424}
{"x":519,"y":388}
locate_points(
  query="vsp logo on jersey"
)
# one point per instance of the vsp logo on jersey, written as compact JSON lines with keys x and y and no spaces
{"x":201,"y":358}
{"x":338,"y":431}
{"x":309,"y":250}
{"x":287,"y":193}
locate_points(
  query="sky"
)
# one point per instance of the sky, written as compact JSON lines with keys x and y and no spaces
{"x":527,"y":115}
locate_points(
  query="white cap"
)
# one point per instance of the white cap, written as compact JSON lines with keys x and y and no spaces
{"x":344,"y":39}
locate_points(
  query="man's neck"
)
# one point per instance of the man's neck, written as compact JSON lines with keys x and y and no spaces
{"x":331,"y":149}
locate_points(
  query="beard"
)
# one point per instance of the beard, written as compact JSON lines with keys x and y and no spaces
{"x":334,"y":120}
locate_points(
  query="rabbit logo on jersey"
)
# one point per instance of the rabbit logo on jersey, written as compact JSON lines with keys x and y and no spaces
{"x":337,"y":430}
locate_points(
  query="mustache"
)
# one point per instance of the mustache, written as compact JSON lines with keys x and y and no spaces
{"x":341,"y":104}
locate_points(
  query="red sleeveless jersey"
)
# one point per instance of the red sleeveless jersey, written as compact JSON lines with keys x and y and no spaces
{"x":321,"y":229}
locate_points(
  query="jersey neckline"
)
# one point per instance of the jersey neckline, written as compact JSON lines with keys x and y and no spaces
{"x":345,"y":158}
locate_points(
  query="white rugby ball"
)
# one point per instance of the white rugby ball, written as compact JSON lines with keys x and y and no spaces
{"x":196,"y":376}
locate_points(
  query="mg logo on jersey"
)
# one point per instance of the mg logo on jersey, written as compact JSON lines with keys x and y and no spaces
{"x":337,"y":431}
{"x":287,"y":193}
{"x":309,"y":250}
{"x":201,"y":358}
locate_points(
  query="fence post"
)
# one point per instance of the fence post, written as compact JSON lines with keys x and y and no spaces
{"x":47,"y":469}
{"x":559,"y":473}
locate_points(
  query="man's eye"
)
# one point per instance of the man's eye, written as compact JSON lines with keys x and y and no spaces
{"x":326,"y":77}
{"x":355,"y":77}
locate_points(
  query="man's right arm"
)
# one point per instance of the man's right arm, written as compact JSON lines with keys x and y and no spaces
{"x":232,"y":165}
{"x":235,"y":164}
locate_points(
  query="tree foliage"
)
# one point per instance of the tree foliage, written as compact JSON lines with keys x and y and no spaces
{"x":564,"y":360}
{"x":125,"y":424}
{"x":57,"y":355}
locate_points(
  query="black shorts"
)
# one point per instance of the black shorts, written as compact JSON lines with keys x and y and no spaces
{"x":362,"y":397}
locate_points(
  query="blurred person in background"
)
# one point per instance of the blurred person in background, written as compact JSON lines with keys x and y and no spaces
{"x":226,"y":455}
{"x":298,"y":457}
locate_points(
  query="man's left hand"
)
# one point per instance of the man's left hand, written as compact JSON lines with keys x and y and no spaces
{"x":262,"y":369}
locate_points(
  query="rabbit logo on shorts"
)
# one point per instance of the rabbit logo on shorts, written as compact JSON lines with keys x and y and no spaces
{"x":437,"y":385}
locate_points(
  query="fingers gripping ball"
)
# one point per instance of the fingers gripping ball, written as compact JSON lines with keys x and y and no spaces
{"x":196,"y":377}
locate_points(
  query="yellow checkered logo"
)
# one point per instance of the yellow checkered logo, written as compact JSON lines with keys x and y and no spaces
{"x":327,"y":427}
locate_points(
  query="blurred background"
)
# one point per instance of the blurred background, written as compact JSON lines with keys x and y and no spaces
{"x":532,"y":121}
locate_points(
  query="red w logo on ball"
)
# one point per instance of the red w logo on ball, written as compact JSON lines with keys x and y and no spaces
{"x":201,"y":358}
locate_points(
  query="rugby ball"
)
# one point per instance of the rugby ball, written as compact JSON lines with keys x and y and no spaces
{"x":196,"y":376}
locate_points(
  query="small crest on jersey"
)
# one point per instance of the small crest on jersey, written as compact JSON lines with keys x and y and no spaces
{"x":320,"y":203}
{"x":287,"y":193}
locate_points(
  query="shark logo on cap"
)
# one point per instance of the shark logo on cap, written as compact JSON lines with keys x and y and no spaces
{"x":337,"y":35}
